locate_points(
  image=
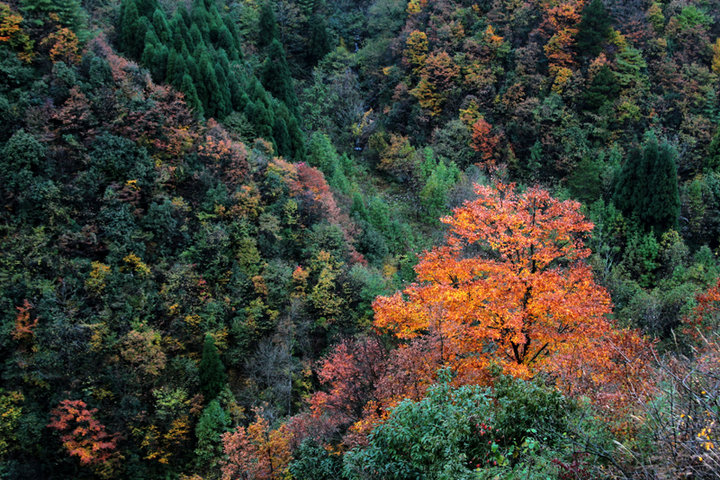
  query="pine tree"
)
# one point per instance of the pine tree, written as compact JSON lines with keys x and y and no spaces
{"x":196,"y":38}
{"x":307,"y":6}
{"x":585,"y":182}
{"x":212,"y":370}
{"x":180,"y":32}
{"x":631,"y":68}
{"x":222,"y":96}
{"x":281,"y":137}
{"x":593,"y":29}
{"x":200,"y":19}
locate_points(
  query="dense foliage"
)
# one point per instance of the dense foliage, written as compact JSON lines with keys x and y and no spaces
{"x":377,"y":239}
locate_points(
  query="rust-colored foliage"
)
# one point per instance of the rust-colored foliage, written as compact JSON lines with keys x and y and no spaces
{"x":257,"y":452}
{"x":441,"y":70}
{"x":75,"y":115}
{"x":509,"y":288}
{"x":485,"y":142}
{"x":223,"y":154}
{"x":350,"y":374}
{"x":562,"y":21}
{"x":24,"y":324}
{"x":705,"y":317}
{"x":83,"y":436}
{"x":312,"y":189}
{"x":64,"y":46}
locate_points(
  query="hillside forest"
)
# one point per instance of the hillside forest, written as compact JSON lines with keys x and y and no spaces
{"x":369,"y":239}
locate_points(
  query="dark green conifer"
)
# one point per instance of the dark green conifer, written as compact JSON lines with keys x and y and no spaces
{"x":222,"y":96}
{"x":603,"y":88}
{"x":129,"y":28}
{"x":161,"y":26}
{"x":276,"y":76}
{"x":647,"y":185}
{"x":200,"y":19}
{"x":268,"y":25}
{"x":593,"y":29}
{"x":318,"y":41}
{"x":212,"y":371}
{"x":196,"y":38}
{"x":191,"y":96}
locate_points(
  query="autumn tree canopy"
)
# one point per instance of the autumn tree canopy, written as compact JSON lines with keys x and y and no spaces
{"x":509,"y":287}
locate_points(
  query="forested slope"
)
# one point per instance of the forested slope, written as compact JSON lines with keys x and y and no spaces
{"x":390,"y":240}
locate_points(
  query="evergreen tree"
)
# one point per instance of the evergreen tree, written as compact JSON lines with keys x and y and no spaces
{"x":161,"y":26}
{"x":281,"y":136}
{"x":196,"y":38}
{"x":129,"y":28}
{"x":212,"y":371}
{"x":647,"y":185}
{"x":318,"y":41}
{"x":213,"y":423}
{"x":267,"y":25}
{"x":665,"y":209}
{"x":593,"y":29}
{"x":631,"y":66}
{"x":307,"y":6}
{"x":603,"y":88}
{"x":227,"y":43}
{"x":584,"y":181}
{"x":238,"y":97}
{"x":200,"y":19}
{"x":180,"y":32}
{"x":146,"y":7}
{"x":191,"y":96}
{"x":222,"y":96}
{"x":276,"y":76}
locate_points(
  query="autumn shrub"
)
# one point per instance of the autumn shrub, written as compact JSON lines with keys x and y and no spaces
{"x":681,"y":434}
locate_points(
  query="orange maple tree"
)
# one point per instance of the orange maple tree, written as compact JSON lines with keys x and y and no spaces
{"x":511,"y":288}
{"x":83,"y":436}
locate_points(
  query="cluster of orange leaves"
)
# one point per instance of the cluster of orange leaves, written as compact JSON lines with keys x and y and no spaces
{"x":24,"y":325}
{"x":82,"y":434}
{"x":64,"y":46}
{"x":562,"y":20}
{"x":11,"y":32}
{"x":485,"y":142}
{"x":511,"y":289}
{"x":257,"y":452}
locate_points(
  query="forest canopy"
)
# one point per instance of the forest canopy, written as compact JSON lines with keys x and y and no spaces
{"x":375,"y":239}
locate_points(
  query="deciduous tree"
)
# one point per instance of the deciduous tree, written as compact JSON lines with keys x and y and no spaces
{"x":509,"y":288}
